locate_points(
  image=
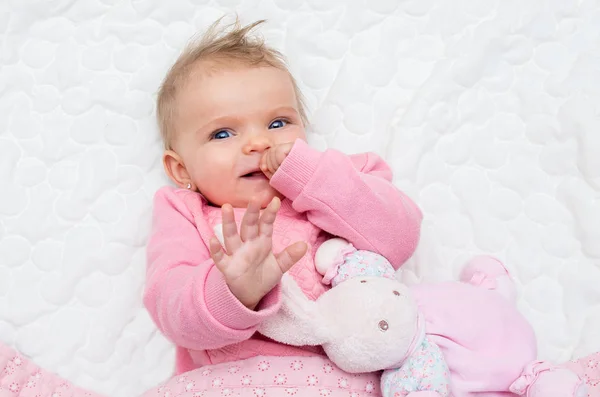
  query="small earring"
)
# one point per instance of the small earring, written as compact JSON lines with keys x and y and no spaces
{"x":189,"y":186}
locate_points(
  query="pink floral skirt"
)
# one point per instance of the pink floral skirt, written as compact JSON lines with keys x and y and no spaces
{"x":269,"y":377}
{"x":260,"y":376}
{"x":588,"y":368}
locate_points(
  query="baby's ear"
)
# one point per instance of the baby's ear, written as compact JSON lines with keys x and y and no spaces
{"x":175,"y":169}
{"x":299,"y":321}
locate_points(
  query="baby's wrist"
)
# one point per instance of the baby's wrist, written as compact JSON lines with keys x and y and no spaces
{"x":258,"y":303}
{"x":248,"y":301}
{"x":250,"y":304}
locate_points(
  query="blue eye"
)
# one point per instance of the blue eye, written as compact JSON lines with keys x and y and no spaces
{"x":280,"y":123}
{"x":221,"y":134}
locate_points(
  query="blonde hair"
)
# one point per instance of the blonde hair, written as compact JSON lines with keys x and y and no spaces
{"x":217,"y":45}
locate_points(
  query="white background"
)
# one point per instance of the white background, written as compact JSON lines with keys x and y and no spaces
{"x":488,"y":111}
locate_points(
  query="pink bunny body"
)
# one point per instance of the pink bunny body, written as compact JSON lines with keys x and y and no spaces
{"x":486,"y":342}
{"x":370,"y":321}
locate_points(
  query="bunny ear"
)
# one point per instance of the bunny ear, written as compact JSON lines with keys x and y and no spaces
{"x":299,"y":321}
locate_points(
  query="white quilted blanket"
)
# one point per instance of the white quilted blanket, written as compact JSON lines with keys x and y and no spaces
{"x":488,"y":111}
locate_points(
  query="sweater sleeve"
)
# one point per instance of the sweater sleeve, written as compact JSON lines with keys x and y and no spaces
{"x":185,"y":294}
{"x":352,"y":197}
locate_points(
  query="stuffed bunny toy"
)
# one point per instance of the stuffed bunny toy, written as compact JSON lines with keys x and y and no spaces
{"x":455,"y":339}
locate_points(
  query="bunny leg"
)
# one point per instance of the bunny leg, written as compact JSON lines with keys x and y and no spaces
{"x":489,"y":272}
{"x":541,"y":379}
{"x":427,"y":393}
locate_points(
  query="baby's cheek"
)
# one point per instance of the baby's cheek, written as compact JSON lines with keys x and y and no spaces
{"x":292,"y":133}
{"x":300,"y":134}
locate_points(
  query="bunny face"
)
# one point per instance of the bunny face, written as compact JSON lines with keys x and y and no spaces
{"x":373,"y":322}
{"x":364,"y":324}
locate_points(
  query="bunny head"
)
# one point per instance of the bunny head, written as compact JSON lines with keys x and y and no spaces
{"x":364,"y":324}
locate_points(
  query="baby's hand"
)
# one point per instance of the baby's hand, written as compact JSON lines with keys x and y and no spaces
{"x":250,"y":268}
{"x":273,"y":157}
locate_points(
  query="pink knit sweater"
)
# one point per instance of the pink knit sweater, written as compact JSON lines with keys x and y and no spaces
{"x":327,"y":193}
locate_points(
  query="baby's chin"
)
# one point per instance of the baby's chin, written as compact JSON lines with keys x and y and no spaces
{"x":267,"y":195}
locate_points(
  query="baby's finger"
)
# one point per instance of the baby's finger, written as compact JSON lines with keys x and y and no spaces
{"x":282,"y":153}
{"x":230,"y":233}
{"x":291,"y":255}
{"x":267,"y":219}
{"x":217,"y":254}
{"x":265,"y":166}
{"x":268,"y":173}
{"x":249,"y":227}
{"x":263,"y":159}
{"x":273,"y":164}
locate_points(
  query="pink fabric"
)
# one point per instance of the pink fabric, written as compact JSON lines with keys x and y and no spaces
{"x":469,"y":324}
{"x":588,"y":368}
{"x":19,"y":377}
{"x":270,"y":376}
{"x":328,"y":193}
{"x":258,"y":376}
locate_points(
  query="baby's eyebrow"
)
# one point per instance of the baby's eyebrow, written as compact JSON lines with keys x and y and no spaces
{"x":214,"y":124}
{"x":286,"y":109}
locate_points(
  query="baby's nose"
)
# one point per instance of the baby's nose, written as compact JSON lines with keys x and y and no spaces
{"x":257,"y":143}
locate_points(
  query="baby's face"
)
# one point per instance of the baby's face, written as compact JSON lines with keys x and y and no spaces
{"x":225,"y":121}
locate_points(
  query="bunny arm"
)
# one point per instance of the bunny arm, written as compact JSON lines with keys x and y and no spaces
{"x":330,"y":255}
{"x":337,"y":260}
{"x":427,"y":393}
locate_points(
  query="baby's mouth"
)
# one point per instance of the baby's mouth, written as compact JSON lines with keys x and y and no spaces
{"x":253,"y":174}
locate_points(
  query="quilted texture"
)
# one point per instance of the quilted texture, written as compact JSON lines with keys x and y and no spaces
{"x":488,"y":111}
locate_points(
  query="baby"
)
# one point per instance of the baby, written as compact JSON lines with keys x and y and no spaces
{"x":254,"y":201}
